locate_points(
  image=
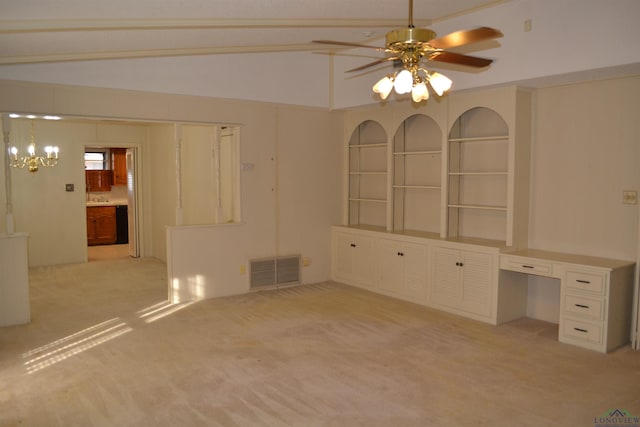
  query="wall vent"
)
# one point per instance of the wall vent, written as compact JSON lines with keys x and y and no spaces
{"x":275,"y":271}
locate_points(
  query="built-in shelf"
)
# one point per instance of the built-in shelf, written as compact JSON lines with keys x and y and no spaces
{"x":369,"y":200}
{"x":496,"y":173}
{"x":481,"y":138}
{"x":419,"y":187}
{"x":409,"y":153}
{"x":368,"y":166}
{"x":376,"y":145}
{"x":481,"y":207}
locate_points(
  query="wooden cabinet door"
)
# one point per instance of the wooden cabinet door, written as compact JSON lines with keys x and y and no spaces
{"x":98,"y":180}
{"x":119,"y":165}
{"x":101,"y":225}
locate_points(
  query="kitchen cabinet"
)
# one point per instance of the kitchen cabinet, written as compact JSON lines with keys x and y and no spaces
{"x":101,"y":225}
{"x":463,"y":281}
{"x":98,"y":180}
{"x":401,"y":269}
{"x":119,"y":165}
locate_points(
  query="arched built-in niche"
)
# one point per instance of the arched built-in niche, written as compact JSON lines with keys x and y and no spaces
{"x":368,"y":175}
{"x":478,"y":175}
{"x":417,"y":166}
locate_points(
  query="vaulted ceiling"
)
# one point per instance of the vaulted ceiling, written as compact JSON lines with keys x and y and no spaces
{"x":260,"y":49}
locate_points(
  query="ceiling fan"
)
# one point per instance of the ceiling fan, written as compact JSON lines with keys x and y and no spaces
{"x":410,"y":45}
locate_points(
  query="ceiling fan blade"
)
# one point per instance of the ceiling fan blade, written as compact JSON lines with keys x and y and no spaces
{"x":371,"y":64}
{"x":457,"y":58}
{"x":463,"y":37}
{"x":347,"y":44}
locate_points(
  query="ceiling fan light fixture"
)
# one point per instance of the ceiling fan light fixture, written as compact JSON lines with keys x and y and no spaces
{"x":404,"y":82}
{"x":384,"y":86}
{"x":440,"y":83}
{"x":420,"y":92}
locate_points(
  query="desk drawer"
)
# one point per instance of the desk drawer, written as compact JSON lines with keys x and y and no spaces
{"x":591,"y":282}
{"x":584,"y":331}
{"x":587,"y":307}
{"x":523,"y":265}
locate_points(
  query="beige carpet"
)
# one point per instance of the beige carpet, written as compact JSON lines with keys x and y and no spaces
{"x":104,"y":349}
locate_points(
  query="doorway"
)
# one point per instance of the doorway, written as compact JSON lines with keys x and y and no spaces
{"x":111,"y":203}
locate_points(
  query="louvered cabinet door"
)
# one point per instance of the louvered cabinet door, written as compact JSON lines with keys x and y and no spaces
{"x":476,"y":282}
{"x":462,"y":281}
{"x":447,"y":279}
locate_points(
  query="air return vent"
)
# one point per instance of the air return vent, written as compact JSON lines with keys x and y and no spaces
{"x":267,"y":272}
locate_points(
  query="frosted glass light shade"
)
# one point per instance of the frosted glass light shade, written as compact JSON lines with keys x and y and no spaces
{"x":383,"y":87}
{"x":404,"y":82}
{"x":420,"y":92}
{"x":440,"y":83}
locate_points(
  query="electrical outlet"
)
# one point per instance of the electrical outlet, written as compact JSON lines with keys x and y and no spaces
{"x":69,"y":187}
{"x":629,"y":197}
{"x":243,"y":269}
{"x":306,"y":261}
{"x":527,"y":25}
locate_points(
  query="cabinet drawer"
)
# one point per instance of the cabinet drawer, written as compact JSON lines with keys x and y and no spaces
{"x":585,"y":331}
{"x":537,"y":267}
{"x":587,"y":307}
{"x":591,"y":282}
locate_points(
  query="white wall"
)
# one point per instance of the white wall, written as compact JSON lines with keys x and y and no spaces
{"x":54,"y":218}
{"x":585,"y":153}
{"x":290,"y":198}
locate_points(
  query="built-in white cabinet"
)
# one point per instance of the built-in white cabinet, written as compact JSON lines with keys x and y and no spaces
{"x":595,"y":294}
{"x":417,"y":166}
{"x":439,"y":215}
{"x":401,"y":268}
{"x":352,"y":259}
{"x":463,"y":280}
{"x":368,"y":175}
{"x":594,"y":307}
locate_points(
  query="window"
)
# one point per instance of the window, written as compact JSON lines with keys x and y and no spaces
{"x":95,"y":160}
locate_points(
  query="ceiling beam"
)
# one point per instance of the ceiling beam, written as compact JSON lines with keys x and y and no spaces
{"x":156,"y":53}
{"x":49,"y":25}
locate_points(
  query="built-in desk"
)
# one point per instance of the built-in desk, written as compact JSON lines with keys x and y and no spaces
{"x":596,"y":294}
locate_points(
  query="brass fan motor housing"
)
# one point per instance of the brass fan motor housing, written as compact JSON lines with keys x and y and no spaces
{"x":399,"y":40}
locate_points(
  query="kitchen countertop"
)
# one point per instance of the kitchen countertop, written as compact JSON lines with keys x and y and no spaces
{"x":115,"y":202}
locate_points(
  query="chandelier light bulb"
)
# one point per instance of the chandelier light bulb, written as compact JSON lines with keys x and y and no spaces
{"x":404,"y":82}
{"x":383,"y":87}
{"x":440,"y":83}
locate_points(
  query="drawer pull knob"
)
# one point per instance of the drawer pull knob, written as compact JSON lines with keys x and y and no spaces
{"x":528,"y":266}
{"x":353,"y":245}
{"x":581,"y":330}
{"x":586,"y":282}
{"x":582,"y":306}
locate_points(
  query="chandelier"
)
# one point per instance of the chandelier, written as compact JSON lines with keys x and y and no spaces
{"x":32,"y":161}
